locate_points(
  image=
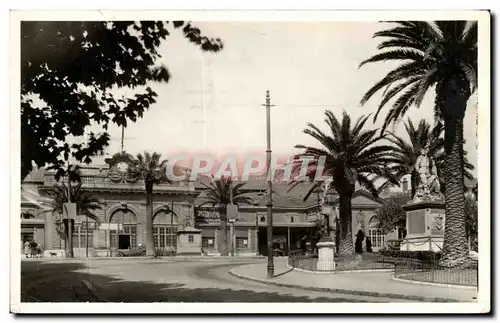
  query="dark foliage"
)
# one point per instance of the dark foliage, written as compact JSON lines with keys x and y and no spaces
{"x":391,"y":213}
{"x":69,"y":70}
{"x":416,"y":255}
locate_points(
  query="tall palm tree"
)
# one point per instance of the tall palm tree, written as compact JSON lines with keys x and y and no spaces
{"x":219,"y":193}
{"x":152,"y":170}
{"x":351,"y":155}
{"x":408,"y":152}
{"x":471,"y":221}
{"x":440,"y":54}
{"x":85,"y":205}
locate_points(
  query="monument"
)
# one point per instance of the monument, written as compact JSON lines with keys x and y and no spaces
{"x":189,"y":237}
{"x":425,"y":214}
{"x":326,"y":246}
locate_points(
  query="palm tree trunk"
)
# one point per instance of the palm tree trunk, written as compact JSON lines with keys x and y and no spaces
{"x":455,"y":251}
{"x":223,"y":231}
{"x":150,"y":250}
{"x":346,"y":245}
{"x":68,"y":239}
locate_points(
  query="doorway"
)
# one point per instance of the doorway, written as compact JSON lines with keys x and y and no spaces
{"x":123,"y":241}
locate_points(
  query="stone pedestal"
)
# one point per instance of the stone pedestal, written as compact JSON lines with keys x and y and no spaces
{"x":189,"y":242}
{"x":326,"y":251}
{"x":425,"y":222}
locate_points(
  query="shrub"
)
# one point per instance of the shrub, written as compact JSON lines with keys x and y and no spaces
{"x":418,"y":255}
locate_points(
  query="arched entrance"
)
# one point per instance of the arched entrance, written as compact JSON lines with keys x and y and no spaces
{"x":126,"y":235}
{"x":165,"y":230}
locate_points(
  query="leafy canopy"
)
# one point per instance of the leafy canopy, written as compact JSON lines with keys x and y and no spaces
{"x":352,"y":154}
{"x":391,"y":213}
{"x":85,"y":203}
{"x":69,"y":73}
{"x":409,"y":150}
{"x":430,"y":53}
{"x":218,"y":193}
{"x":151,"y":169}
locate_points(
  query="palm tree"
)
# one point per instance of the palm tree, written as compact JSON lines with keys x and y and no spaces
{"x":471,"y":221}
{"x":408,"y":152}
{"x":350,"y":156}
{"x":441,"y":54}
{"x":152,"y":171}
{"x":219,"y":193}
{"x":85,"y":205}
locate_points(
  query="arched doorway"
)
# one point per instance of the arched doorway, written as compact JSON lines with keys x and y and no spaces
{"x":165,"y":230}
{"x":126,"y":235}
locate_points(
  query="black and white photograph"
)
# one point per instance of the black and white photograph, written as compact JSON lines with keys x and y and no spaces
{"x":315,"y":158}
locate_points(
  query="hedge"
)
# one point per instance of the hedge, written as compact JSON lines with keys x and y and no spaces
{"x":419,"y":255}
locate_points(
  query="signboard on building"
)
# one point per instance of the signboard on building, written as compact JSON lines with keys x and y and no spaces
{"x":214,"y":216}
{"x":207,"y":217}
{"x":111,"y":226}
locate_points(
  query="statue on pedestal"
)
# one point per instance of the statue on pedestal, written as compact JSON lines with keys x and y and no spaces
{"x":326,"y":187}
{"x":428,"y":187}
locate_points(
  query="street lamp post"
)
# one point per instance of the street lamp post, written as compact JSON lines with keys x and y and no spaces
{"x":270,"y":263}
{"x":232,"y":234}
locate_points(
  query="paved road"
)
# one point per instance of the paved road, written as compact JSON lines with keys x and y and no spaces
{"x":157,"y":280}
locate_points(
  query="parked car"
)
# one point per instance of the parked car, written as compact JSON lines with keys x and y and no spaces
{"x":278,"y":252}
{"x":140,"y":250}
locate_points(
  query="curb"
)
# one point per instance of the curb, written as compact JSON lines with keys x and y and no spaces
{"x":340,"y":272}
{"x":433,"y":284}
{"x":349,"y":292}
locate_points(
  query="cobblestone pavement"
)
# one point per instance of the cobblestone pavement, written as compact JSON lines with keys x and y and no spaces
{"x":157,"y":280}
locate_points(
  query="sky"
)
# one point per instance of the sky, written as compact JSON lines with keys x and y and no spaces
{"x":213,"y":101}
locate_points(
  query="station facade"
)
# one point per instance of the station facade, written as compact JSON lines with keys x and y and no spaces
{"x":122,"y":219}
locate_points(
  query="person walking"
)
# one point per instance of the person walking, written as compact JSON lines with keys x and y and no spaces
{"x":27,"y":249}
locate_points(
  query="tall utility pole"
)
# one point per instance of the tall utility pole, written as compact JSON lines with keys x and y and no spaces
{"x":231,"y":220}
{"x":69,"y":217}
{"x":172,"y":236}
{"x":270,"y":263}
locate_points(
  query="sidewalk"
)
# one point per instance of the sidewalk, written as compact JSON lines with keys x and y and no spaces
{"x":368,"y":283}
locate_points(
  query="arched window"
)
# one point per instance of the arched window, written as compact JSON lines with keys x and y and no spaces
{"x":84,"y":232}
{"x":165,"y":230}
{"x":127,"y":229}
{"x":376,"y":236}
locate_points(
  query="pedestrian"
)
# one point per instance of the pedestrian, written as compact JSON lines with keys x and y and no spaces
{"x":27,"y":249}
{"x":33,"y":245}
{"x":39,"y":250}
{"x":368,"y":245}
{"x":358,"y":245}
